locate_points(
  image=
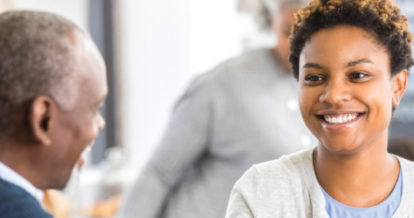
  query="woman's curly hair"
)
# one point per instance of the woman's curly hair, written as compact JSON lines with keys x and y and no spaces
{"x":380,"y":17}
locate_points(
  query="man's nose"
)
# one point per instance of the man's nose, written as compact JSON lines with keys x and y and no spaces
{"x":101,"y":122}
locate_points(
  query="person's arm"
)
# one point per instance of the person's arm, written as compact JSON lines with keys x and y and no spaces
{"x":183,"y":143}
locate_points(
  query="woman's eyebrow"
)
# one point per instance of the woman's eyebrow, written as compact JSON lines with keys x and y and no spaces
{"x":349,"y":64}
{"x":313,"y":65}
{"x":360,"y":61}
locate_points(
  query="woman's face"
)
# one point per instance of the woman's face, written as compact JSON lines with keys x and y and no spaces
{"x":346,"y":89}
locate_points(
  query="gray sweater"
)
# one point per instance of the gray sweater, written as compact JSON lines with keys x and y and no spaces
{"x":242,"y":112}
{"x":288,"y":187}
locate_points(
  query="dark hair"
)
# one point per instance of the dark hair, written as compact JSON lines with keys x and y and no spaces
{"x":403,"y":147}
{"x":35,"y":59}
{"x":380,"y":17}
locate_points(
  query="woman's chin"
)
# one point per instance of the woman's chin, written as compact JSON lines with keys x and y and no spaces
{"x":341,"y":149}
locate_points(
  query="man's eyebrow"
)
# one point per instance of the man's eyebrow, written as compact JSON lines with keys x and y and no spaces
{"x":360,"y":61}
{"x":313,"y":65}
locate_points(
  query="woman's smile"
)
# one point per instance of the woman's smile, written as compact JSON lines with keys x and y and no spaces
{"x":339,"y":120}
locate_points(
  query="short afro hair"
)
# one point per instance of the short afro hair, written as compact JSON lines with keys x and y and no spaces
{"x":382,"y":18}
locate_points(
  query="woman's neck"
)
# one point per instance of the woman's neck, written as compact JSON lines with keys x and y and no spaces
{"x":362,"y":178}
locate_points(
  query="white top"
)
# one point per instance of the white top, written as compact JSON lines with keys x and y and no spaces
{"x":288,"y":187}
{"x":9,"y":175}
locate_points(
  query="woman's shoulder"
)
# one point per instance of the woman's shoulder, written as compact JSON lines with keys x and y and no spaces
{"x":407,"y":166}
{"x":282,"y":182}
{"x":287,"y":172}
{"x":287,"y":165}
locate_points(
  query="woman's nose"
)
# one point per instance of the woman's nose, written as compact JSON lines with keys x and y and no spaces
{"x":336,"y":92}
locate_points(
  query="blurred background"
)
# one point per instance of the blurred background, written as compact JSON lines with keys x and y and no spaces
{"x":153,"y":48}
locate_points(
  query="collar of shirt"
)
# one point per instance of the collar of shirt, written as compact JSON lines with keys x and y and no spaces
{"x":9,"y":175}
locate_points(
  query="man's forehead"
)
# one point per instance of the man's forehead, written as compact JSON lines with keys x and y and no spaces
{"x":85,"y":52}
{"x":89,"y":68}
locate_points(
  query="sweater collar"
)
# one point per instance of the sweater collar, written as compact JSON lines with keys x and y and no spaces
{"x":11,"y":176}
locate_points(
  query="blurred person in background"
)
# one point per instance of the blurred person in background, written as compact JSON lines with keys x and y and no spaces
{"x":402,"y":146}
{"x":242,"y":112}
{"x":46,"y":63}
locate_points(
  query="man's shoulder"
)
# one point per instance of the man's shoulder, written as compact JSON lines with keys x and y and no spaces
{"x":9,"y":190}
{"x":16,"y":202}
{"x":233,"y":71}
{"x":249,"y":61}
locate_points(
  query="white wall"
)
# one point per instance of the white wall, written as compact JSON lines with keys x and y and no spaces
{"x":155,"y":63}
{"x":216,"y":32}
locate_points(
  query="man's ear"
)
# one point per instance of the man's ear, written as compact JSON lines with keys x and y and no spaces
{"x":41,"y":119}
{"x":399,"y":84}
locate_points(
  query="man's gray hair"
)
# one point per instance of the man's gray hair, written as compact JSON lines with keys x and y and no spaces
{"x":275,"y":5}
{"x":36,"y":59}
{"x":264,"y":10}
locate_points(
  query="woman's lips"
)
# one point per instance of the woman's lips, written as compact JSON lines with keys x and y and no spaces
{"x":339,"y":120}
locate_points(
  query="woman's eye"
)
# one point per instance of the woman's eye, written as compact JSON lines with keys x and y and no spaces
{"x":357,"y":75}
{"x":313,"y":78}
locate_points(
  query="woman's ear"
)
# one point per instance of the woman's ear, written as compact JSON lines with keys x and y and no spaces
{"x":399,"y":84}
{"x":41,"y":119}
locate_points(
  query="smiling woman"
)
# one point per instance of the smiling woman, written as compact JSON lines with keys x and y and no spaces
{"x":351,"y":60}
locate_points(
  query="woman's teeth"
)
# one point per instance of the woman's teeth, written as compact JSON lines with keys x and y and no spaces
{"x":340,"y":118}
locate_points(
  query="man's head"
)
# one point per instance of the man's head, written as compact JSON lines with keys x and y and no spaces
{"x":282,"y":19}
{"x":52,"y":84}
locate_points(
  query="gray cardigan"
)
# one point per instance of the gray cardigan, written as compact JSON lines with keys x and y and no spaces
{"x":242,"y":112}
{"x":288,"y":187}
